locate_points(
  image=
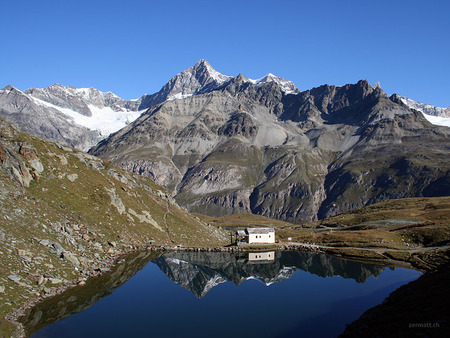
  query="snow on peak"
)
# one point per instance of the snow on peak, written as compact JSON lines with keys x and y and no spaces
{"x":204,"y":66}
{"x":287,"y":86}
{"x":104,"y":119}
{"x":196,"y":79}
{"x":215,"y":75}
{"x":435,"y":115}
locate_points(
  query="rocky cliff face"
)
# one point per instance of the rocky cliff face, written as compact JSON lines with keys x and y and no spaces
{"x":256,"y":146}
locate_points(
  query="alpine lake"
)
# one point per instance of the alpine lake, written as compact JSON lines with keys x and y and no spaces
{"x":218,"y":294}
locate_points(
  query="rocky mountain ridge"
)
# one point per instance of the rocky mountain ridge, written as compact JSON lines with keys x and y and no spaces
{"x":253,"y":147}
{"x":79,"y":99}
{"x":435,"y":115}
{"x":43,"y":120}
{"x":425,"y":108}
{"x":81,"y":117}
{"x":226,"y":144}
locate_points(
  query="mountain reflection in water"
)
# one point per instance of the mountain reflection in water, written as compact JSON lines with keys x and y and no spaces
{"x":138,"y":298}
{"x":199,"y":272}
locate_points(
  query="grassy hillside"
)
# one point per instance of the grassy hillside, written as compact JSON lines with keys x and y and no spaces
{"x":243,"y":220}
{"x":415,"y":230}
{"x":64,"y":215}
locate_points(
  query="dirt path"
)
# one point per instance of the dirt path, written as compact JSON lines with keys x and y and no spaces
{"x":165,"y":222}
{"x":377,"y":250}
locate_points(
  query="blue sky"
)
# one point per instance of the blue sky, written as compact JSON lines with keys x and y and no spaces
{"x":133,"y":47}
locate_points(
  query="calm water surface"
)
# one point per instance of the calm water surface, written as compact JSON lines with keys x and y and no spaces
{"x":281,"y":294}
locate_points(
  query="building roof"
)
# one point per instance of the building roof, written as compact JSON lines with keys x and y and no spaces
{"x":241,"y":233}
{"x":260,"y":230}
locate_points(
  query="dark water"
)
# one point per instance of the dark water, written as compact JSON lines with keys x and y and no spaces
{"x":290,"y":294}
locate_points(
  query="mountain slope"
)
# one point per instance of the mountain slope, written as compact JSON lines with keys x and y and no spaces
{"x":81,"y":117}
{"x":249,"y":146}
{"x":64,"y":214}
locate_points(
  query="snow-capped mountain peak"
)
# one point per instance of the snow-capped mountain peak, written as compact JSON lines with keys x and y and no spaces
{"x":287,"y":86}
{"x":213,"y":74}
{"x":197,"y":79}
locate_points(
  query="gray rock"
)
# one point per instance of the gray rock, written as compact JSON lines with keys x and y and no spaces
{"x":68,"y":256}
{"x":97,"y":245}
{"x":55,"y":280}
{"x":45,"y":242}
{"x":14,"y":278}
{"x":58,"y":247}
{"x":2,"y":289}
{"x":68,"y":230}
{"x":72,"y":177}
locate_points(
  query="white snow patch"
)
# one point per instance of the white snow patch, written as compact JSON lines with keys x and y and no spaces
{"x":178,"y":96}
{"x":105,"y":119}
{"x":175,"y":260}
{"x":215,"y":75}
{"x":287,"y":86}
{"x":438,"y":120}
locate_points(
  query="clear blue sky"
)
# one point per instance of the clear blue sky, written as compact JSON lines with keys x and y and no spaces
{"x":133,"y":47}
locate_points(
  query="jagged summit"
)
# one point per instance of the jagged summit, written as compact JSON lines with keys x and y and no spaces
{"x":204,"y":66}
{"x":197,"y":79}
{"x":286,"y":86}
{"x":203,"y":78}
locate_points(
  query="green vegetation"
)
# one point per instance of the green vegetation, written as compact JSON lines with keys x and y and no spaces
{"x":243,"y":220}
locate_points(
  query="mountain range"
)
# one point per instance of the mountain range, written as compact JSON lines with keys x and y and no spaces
{"x":81,"y":117}
{"x":223,"y":144}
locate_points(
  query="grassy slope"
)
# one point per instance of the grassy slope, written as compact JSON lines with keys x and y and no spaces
{"x":89,"y":207}
{"x":243,"y":220}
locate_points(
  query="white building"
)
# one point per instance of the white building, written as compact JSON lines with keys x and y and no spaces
{"x":261,"y":256}
{"x":257,"y":235}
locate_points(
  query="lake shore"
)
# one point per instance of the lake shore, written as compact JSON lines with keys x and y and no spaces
{"x":360,"y":254}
